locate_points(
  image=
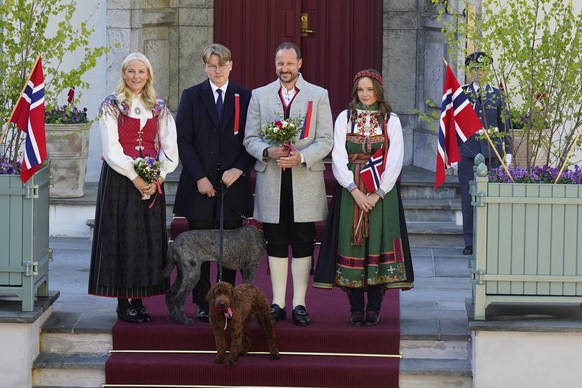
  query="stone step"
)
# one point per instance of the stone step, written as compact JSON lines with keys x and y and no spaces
{"x":78,"y":360}
{"x":435,"y":373}
{"x":72,"y":371}
{"x":69,"y":370}
{"x":431,"y":210}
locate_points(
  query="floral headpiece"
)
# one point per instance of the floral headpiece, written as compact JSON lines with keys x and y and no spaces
{"x":369,"y":74}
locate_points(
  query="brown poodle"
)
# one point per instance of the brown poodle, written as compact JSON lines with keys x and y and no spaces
{"x":233,"y":307}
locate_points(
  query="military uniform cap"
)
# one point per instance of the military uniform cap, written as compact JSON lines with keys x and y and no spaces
{"x":478,"y":58}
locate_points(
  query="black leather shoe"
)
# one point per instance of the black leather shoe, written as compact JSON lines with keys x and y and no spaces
{"x":300,"y":316}
{"x":468,"y":250}
{"x":202,"y":314}
{"x":145,"y":314}
{"x":372,"y":318}
{"x":278,"y":313}
{"x":129,"y":315}
{"x":357,"y":318}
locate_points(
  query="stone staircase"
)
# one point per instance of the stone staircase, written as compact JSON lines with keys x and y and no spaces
{"x":435,"y":341}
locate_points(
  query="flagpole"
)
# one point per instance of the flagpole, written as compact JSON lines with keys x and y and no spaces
{"x":5,"y":130}
{"x":568,"y":155}
{"x":497,"y":153}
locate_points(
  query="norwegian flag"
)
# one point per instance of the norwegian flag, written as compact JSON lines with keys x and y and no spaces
{"x":71,"y":95}
{"x":457,"y":119}
{"x":373,"y":170}
{"x":28,"y":115}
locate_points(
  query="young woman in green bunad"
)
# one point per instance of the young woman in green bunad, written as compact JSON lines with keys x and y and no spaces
{"x":365,"y":248}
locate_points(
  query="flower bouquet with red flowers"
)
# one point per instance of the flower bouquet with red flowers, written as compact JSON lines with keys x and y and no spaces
{"x":282,"y":132}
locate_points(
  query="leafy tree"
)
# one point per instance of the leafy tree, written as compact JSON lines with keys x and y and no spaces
{"x":24,"y":26}
{"x":537,"y":51}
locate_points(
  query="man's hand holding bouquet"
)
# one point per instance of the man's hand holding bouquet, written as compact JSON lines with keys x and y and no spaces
{"x":282,"y":133}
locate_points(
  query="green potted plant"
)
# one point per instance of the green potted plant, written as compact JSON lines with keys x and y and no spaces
{"x":24,"y":208}
{"x":25,"y":35}
{"x":525,"y":225}
{"x":67,"y":142}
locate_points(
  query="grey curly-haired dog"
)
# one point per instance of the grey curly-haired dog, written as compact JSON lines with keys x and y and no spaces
{"x":243,"y":249}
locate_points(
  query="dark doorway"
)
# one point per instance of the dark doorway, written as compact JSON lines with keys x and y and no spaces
{"x":339,"y":38}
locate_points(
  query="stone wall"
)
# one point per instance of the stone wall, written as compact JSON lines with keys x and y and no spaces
{"x":413,"y":69}
{"x":171,"y":33}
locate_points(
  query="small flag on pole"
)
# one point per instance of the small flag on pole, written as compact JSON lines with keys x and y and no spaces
{"x":71,"y":95}
{"x":28,"y":115}
{"x":457,"y":119}
{"x":372,"y":171}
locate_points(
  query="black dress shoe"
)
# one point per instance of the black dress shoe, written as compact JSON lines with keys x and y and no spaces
{"x":145,"y":314}
{"x":300,"y":316}
{"x":468,"y":250}
{"x":372,"y":318}
{"x":202,"y":314}
{"x":357,"y":318}
{"x":129,"y":315}
{"x":278,"y":313}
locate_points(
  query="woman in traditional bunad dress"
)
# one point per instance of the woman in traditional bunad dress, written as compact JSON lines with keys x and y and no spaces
{"x":130,"y":242}
{"x":365,"y":247}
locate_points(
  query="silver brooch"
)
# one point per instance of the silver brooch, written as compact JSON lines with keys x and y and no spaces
{"x":137,"y":110}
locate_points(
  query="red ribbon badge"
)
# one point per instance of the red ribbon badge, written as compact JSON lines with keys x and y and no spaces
{"x":305,"y":132}
{"x":236,"y":113}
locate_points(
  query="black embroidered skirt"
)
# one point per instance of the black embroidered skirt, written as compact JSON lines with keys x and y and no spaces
{"x":129,"y":240}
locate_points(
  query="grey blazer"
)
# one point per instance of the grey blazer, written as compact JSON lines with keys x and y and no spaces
{"x":309,"y":197}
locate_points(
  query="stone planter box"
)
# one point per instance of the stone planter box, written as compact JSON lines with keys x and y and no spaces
{"x":527,"y":245}
{"x":67,"y":147}
{"x":24,"y":240}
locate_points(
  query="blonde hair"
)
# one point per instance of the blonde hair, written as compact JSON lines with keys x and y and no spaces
{"x":148,"y":95}
{"x":223,"y":53}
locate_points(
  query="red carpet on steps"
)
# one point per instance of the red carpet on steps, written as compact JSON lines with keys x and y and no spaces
{"x":329,"y":332}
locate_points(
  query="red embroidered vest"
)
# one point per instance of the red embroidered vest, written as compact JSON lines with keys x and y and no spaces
{"x":133,"y":140}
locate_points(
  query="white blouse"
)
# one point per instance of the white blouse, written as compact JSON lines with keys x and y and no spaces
{"x":113,"y":151}
{"x":395,"y":158}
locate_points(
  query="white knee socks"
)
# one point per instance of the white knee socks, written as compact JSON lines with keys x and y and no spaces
{"x":300,"y":268}
{"x":279,"y":267}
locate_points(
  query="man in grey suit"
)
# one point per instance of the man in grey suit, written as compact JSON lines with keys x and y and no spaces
{"x":290,"y":190}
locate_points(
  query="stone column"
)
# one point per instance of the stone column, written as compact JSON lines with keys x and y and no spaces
{"x":400,"y":41}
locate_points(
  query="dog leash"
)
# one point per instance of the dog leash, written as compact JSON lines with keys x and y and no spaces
{"x":221,"y":230}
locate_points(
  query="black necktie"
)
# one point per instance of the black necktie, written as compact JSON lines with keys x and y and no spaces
{"x":219,"y":103}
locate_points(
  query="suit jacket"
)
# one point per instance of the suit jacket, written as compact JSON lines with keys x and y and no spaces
{"x":490,"y":109}
{"x":309,"y":195}
{"x":207,"y":148}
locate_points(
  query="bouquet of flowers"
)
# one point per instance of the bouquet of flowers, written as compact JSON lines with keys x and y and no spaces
{"x":282,"y":132}
{"x":148,"y":168}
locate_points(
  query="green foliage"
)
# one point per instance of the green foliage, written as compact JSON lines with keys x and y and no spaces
{"x":537,"y":56}
{"x":433,"y":118}
{"x":24,"y":26}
